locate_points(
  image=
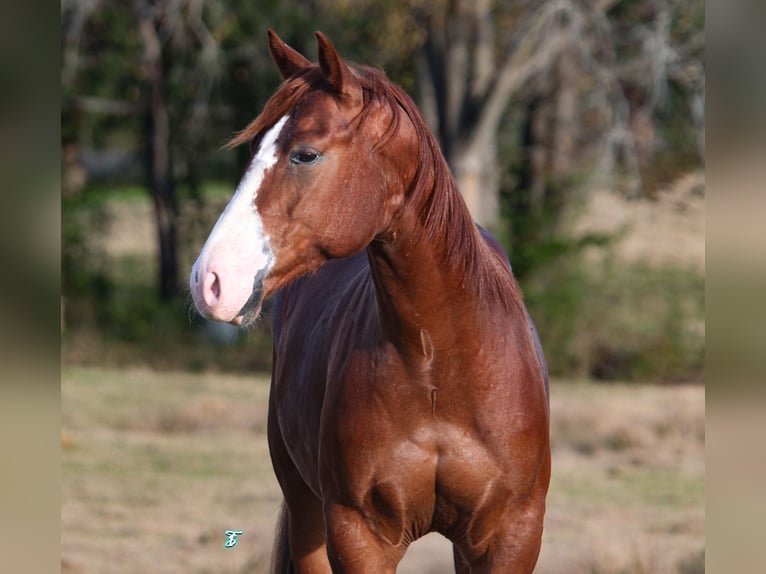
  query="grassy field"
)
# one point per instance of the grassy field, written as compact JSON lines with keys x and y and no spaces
{"x":155,"y":466}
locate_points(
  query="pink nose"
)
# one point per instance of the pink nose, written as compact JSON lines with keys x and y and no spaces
{"x":211,"y":290}
{"x":218,"y":296}
{"x":223,"y":281}
{"x":207,"y":293}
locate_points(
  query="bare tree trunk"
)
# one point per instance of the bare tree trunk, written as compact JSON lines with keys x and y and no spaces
{"x":565,"y":134}
{"x":469,"y":89}
{"x":157,"y":152}
{"x":552,"y":134}
{"x":476,"y":173}
{"x":537,"y":149}
{"x":450,"y":57}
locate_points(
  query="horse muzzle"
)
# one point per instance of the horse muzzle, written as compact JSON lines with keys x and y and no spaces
{"x":224,"y":288}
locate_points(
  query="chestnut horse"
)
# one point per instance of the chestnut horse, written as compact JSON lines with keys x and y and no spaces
{"x":409,"y":392}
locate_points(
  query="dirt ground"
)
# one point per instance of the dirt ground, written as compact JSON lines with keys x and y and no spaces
{"x":155,"y":467}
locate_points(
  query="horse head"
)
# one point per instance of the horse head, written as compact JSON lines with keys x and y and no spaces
{"x":324,"y":179}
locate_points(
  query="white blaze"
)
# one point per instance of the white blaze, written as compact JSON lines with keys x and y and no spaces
{"x":237,"y":249}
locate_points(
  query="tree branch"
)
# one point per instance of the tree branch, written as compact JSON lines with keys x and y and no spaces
{"x":536,"y":51}
{"x":456,"y":68}
{"x":78,"y":14}
{"x":484,"y":56}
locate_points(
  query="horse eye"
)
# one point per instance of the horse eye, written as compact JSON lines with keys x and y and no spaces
{"x":304,"y":157}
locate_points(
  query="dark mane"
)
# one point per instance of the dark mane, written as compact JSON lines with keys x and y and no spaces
{"x":440,"y":206}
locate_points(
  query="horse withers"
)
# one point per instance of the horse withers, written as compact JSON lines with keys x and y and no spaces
{"x":409,"y":392}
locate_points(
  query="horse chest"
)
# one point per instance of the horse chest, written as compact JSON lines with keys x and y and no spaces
{"x":408,"y":449}
{"x":413,"y":476}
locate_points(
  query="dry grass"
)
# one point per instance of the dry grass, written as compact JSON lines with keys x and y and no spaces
{"x":627,"y":493}
{"x":156,"y":466}
{"x":667,"y":230}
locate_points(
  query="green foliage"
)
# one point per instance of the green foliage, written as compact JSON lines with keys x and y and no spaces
{"x":82,"y":262}
{"x":619,"y":322}
{"x":112,"y":312}
{"x":109,"y":69}
{"x":679,"y":150}
{"x":655,"y":327}
{"x":119,"y":318}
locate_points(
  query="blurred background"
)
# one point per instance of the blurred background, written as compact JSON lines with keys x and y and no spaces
{"x":576,"y":131}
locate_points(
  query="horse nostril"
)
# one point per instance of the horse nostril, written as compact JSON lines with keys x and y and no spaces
{"x":212,"y":289}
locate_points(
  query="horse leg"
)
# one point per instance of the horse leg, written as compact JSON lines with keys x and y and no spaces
{"x":515,"y":545}
{"x":461,"y":566}
{"x":518,"y":548}
{"x":305,"y":531}
{"x":300,"y":545}
{"x":354,"y":547}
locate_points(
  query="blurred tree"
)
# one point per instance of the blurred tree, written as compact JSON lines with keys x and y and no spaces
{"x":115,"y":81}
{"x":619,"y":108}
{"x":528,"y":99}
{"x":534,"y":102}
{"x":154,"y":75}
{"x":590,"y":77}
{"x":475,"y":58}
{"x":156,"y":138}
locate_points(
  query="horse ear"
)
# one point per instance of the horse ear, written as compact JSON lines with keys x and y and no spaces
{"x":336,"y":71}
{"x":289,"y":61}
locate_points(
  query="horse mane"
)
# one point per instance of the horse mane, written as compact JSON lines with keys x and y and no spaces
{"x":441,"y":208}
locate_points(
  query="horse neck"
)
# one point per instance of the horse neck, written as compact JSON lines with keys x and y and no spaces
{"x":430,"y":269}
